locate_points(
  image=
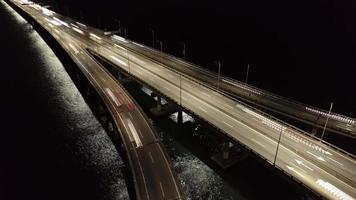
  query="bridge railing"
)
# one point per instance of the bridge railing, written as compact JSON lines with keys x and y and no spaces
{"x":250,"y":87}
{"x":298,"y":130}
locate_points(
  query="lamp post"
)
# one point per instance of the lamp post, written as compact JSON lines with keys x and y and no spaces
{"x":160,"y":43}
{"x":279,"y":140}
{"x":219,"y":66}
{"x":247,"y":71}
{"x":180,"y":89}
{"x":153,"y":38}
{"x":128,"y":59}
{"x":119,"y":23}
{"x":327,"y":119}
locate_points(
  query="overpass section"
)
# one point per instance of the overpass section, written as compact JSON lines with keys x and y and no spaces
{"x":153,"y":175}
{"x":327,"y":170}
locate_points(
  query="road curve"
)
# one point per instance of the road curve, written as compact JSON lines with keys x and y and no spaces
{"x":154,"y":177}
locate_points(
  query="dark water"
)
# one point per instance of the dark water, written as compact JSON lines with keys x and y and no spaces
{"x":51,"y":146}
{"x":303,"y":49}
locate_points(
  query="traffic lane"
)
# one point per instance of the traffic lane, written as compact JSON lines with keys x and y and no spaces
{"x":302,"y":144}
{"x":143,"y":130}
{"x":316,"y":178}
{"x":318,"y":153}
{"x":164,"y":186}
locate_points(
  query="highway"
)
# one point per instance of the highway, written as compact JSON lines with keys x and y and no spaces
{"x":325,"y":169}
{"x":153,"y":175}
{"x":308,"y":114}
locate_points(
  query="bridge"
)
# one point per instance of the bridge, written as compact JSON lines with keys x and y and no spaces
{"x":320,"y":166}
{"x":235,"y":89}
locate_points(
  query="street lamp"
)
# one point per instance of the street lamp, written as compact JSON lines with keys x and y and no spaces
{"x":279,"y":141}
{"x":327,"y":119}
{"x":248,"y":69}
{"x":128,"y":59}
{"x":153,"y":38}
{"x":219,"y":65}
{"x":119,"y":23}
{"x":180,"y":89}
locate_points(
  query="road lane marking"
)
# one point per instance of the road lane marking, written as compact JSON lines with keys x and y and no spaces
{"x":259,"y":143}
{"x":134,"y":134}
{"x":202,"y":109}
{"x":140,"y":133}
{"x":112,"y":96}
{"x":161,"y":186}
{"x":228,"y":124}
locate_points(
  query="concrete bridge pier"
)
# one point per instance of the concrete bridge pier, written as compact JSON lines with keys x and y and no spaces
{"x":162,"y":110}
{"x":180,"y":116}
{"x":159,"y":103}
{"x":228,"y":155}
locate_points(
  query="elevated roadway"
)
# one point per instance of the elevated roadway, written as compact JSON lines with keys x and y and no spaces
{"x":314,"y":116}
{"x":326,"y":169}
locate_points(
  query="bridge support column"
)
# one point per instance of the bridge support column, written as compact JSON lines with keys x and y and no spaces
{"x":162,"y":110}
{"x":159,"y":103}
{"x":180,"y":117}
{"x":229,"y":155}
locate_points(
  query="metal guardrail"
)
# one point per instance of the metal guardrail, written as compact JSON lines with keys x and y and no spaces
{"x":244,"y":104}
{"x":214,"y":74}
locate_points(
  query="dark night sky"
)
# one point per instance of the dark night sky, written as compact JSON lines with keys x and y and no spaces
{"x":302,"y":49}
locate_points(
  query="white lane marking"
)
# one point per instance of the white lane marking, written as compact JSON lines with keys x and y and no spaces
{"x":150,"y":154}
{"x":228,"y":124}
{"x":202,"y":109}
{"x":206,"y":94}
{"x":78,"y":30}
{"x":317,"y":157}
{"x":161,"y":186}
{"x":335,"y":161}
{"x":119,"y":47}
{"x":134,"y":134}
{"x":259,"y":143}
{"x":112,"y":96}
{"x":140,"y":133}
{"x":119,"y":61}
{"x":93,"y":36}
{"x":73,"y":47}
{"x":302,"y":163}
{"x":130,"y":115}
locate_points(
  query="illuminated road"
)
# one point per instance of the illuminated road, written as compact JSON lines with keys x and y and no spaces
{"x":325,"y":169}
{"x":315,"y":116}
{"x":152,"y":172}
